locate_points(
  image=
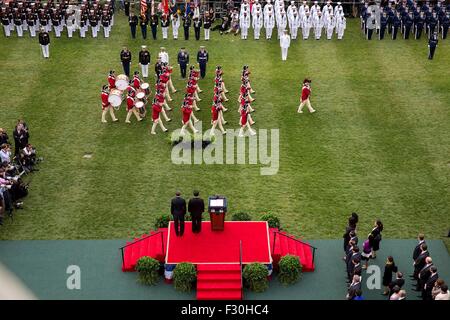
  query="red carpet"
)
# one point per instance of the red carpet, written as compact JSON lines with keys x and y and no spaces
{"x":220,"y":246}
{"x":219,"y":282}
{"x":150,"y":246}
{"x":285,"y":245}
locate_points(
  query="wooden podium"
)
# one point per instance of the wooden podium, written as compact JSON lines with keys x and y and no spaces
{"x":217,"y":207}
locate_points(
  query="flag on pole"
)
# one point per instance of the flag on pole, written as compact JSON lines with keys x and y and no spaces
{"x":165,"y":4}
{"x":143,"y":7}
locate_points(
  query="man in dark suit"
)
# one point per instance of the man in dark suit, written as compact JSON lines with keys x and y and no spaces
{"x":196,"y":207}
{"x":178,"y":211}
{"x":183,"y":61}
{"x":355,"y":255}
{"x":424,"y":274}
{"x":355,"y":286}
{"x":429,"y":284}
{"x":419,"y":263}
{"x":417,"y":249}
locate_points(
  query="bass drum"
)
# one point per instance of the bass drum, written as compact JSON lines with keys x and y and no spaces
{"x":115,"y":98}
{"x":122,"y":82}
{"x":146,"y":87}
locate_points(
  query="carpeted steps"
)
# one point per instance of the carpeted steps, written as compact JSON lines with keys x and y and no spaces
{"x":285,"y":245}
{"x":219,"y":282}
{"x":144,"y":246}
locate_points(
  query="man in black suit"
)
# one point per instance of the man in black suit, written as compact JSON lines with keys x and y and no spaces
{"x":355,"y":255}
{"x":424,"y":274}
{"x":428,"y":287}
{"x":196,"y":207}
{"x":417,"y":250}
{"x":178,"y":211}
{"x":419,"y":263}
{"x":355,"y":286}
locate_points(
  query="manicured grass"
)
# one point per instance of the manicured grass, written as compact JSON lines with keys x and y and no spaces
{"x":378,"y":145}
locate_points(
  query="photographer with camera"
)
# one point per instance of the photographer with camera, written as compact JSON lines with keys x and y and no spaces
{"x":28,"y":157}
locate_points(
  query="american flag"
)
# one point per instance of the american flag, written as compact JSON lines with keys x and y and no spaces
{"x":143,"y":6}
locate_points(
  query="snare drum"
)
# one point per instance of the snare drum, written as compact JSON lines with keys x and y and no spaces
{"x":140,"y":95}
{"x":122,"y":82}
{"x":146,"y":87}
{"x":115,"y":97}
{"x":139,"y":104}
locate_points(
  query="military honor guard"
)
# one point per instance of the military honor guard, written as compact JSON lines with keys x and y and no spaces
{"x":154,"y":25}
{"x":144,"y":61}
{"x":197,"y":27}
{"x":183,"y":61}
{"x":244,"y":121}
{"x":186,"y":26}
{"x":396,"y":24}
{"x":306,"y":25}
{"x":217,"y":117}
{"x":5,"y":22}
{"x":305,"y":95}
{"x":207,"y":23}
{"x":165,"y":26}
{"x":257,"y":24}
{"x":143,"y":23}
{"x":285,"y":42}
{"x":44,"y":41}
{"x":318,"y":25}
{"x":432,"y":45}
{"x":269,"y":21}
{"x":125,"y":58}
{"x":419,"y":23}
{"x":202,"y":60}
{"x":156,"y":110}
{"x":106,"y":106}
{"x":383,"y":25}
{"x":133,"y":22}
{"x":186,"y":111}
{"x":330,"y":24}
{"x":341,"y":25}
{"x":176,"y":22}
{"x":244,"y":25}
{"x":281,"y":21}
{"x":163,"y":55}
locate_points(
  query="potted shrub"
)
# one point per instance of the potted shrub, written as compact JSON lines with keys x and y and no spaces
{"x":184,"y":277}
{"x":255,"y":276}
{"x":290,"y":269}
{"x":148,"y":269}
{"x":272,"y":220}
{"x":162,"y":221}
{"x":241,"y":216}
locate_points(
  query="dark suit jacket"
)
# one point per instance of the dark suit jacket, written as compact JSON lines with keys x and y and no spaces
{"x":196,"y":206}
{"x":397,"y":282}
{"x":178,"y":207}
{"x":430,"y":284}
{"x":417,"y":251}
{"x":352,"y":290}
{"x":420,"y":261}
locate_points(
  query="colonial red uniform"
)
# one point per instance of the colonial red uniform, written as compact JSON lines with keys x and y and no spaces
{"x":191,"y":89}
{"x":105,"y":102}
{"x":214,"y":113}
{"x":186,"y":114}
{"x":244,"y":116}
{"x":164,"y":77}
{"x":306,"y":92}
{"x":112,"y":81}
{"x":156,"y":110}
{"x":160,"y":98}
{"x":130,"y":103}
{"x":136,"y":82}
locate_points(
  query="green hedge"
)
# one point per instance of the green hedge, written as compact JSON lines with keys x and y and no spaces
{"x":255,"y":276}
{"x":290,"y":269}
{"x":241,"y":216}
{"x":162,"y":221}
{"x":272,"y":220}
{"x":148,"y":269}
{"x":184,"y":277}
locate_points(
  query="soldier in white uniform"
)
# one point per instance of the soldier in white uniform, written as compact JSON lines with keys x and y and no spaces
{"x":338,"y":9}
{"x":285,"y":42}
{"x":244,"y":24}
{"x":294,"y":24}
{"x":268,"y":7}
{"x":281,"y":23}
{"x":330,"y":23}
{"x":318,"y":25}
{"x":314,"y":9}
{"x":269,"y":22}
{"x":245,"y":7}
{"x":306,"y":25}
{"x":257,"y":24}
{"x":291,"y":8}
{"x":256,"y":8}
{"x":176,"y":21}
{"x":341,"y":24}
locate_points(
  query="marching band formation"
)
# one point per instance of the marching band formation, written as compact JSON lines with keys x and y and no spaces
{"x":51,"y":16}
{"x":138,"y":93}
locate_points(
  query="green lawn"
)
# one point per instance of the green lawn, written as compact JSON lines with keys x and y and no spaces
{"x":378,"y":145}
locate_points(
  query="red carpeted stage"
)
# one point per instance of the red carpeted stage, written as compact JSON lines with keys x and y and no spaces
{"x":221,"y":247}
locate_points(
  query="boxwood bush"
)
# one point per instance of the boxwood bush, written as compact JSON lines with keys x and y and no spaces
{"x":184,"y":277}
{"x":148,"y":269}
{"x":290,"y":269}
{"x":272,"y":220}
{"x":255,"y":277}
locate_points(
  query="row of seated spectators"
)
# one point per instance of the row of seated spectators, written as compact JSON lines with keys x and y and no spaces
{"x":13,"y":166}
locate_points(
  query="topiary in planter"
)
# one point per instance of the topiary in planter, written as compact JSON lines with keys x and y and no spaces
{"x":290,"y":269}
{"x":255,"y":276}
{"x":162,"y":221}
{"x":241,"y":216}
{"x":184,"y":277}
{"x":272,"y":220}
{"x":148,"y":269}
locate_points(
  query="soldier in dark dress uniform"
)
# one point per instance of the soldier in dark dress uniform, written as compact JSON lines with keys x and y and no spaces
{"x":125,"y":57}
{"x":183,"y":61}
{"x":383,"y":25}
{"x":186,"y":26}
{"x":197,"y":26}
{"x":154,"y":25}
{"x":133,"y":22}
{"x":202,"y":59}
{"x":143,"y":22}
{"x":432,"y":44}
